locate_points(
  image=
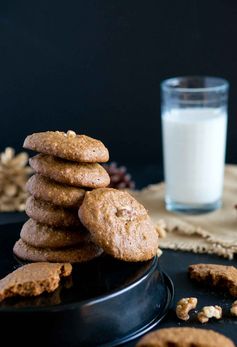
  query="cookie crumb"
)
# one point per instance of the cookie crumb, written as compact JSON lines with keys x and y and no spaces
{"x":233,"y":309}
{"x":184,"y":306}
{"x":159,"y":252}
{"x":208,"y":312}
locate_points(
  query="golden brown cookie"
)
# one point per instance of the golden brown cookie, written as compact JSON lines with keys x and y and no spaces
{"x":44,"y":236}
{"x":46,"y":189}
{"x":220,"y":276}
{"x":184,"y":337}
{"x":82,"y":253}
{"x":119,"y":224}
{"x":46,"y":213}
{"x":33,"y":279}
{"x":70,"y":146}
{"x":68,"y":172}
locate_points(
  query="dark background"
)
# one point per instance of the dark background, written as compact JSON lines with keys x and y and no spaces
{"x":96,"y":67}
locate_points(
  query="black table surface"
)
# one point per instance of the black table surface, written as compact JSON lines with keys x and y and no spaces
{"x":175,"y":264}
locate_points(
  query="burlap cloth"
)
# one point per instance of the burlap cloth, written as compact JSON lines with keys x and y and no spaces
{"x":214,"y":232}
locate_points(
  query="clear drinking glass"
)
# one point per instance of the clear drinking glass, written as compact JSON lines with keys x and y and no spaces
{"x":194,"y":123}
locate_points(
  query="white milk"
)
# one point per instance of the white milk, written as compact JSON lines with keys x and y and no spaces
{"x":194,"y":142}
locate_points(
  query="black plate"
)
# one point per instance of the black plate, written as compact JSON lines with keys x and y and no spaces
{"x":105,"y":302}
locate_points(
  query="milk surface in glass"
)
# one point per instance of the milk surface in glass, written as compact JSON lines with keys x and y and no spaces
{"x":194,"y":142}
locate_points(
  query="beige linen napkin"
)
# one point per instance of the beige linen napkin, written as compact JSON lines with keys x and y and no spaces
{"x":214,"y":232}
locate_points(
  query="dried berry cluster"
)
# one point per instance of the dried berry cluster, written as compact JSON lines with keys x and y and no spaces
{"x":119,"y":177}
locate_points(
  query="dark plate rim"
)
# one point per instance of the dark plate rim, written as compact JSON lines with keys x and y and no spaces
{"x":87,"y":302}
{"x":154,"y":322}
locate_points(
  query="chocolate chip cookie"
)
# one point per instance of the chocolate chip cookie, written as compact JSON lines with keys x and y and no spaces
{"x":68,"y":172}
{"x":70,"y":146}
{"x":119,"y":224}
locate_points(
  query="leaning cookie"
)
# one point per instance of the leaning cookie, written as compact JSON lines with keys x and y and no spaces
{"x":46,"y":189}
{"x":44,"y":236}
{"x":70,"y":146}
{"x":33,"y":279}
{"x":46,"y":213}
{"x":68,"y":172}
{"x":219,"y":276}
{"x":184,"y":337}
{"x":79,"y":254}
{"x":119,"y":224}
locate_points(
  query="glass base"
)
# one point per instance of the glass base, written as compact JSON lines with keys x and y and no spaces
{"x":192,"y":208}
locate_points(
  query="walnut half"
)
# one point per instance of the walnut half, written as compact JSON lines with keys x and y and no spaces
{"x":71,"y":133}
{"x":208,"y":312}
{"x":184,"y":306}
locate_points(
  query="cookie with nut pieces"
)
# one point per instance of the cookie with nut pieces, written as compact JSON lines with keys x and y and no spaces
{"x":46,"y":213}
{"x":217,"y":276}
{"x":78,"y":254}
{"x":119,"y":224}
{"x":70,"y":146}
{"x":44,"y":188}
{"x":44,"y":236}
{"x":88,"y":175}
{"x":184,"y":337}
{"x":33,"y":279}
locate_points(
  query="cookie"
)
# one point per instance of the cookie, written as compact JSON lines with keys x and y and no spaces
{"x":119,"y":224}
{"x":69,"y":172}
{"x":70,"y":146}
{"x":82,"y":253}
{"x":220,"y":276}
{"x":46,"y":213}
{"x":33,"y":279}
{"x":46,"y":189}
{"x":44,"y":236}
{"x":184,"y":337}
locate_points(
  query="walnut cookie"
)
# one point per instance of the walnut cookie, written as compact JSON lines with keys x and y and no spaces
{"x":44,"y":236}
{"x":46,"y":213}
{"x":68,"y":172}
{"x":119,"y":224}
{"x":219,"y":276}
{"x":48,"y":190}
{"x":78,"y":254}
{"x":184,"y":337}
{"x":70,"y":146}
{"x":33,"y":279}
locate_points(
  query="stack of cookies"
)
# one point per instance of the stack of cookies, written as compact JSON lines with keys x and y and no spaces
{"x":65,"y":169}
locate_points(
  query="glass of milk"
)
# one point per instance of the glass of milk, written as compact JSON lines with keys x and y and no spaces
{"x":194,"y":122}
